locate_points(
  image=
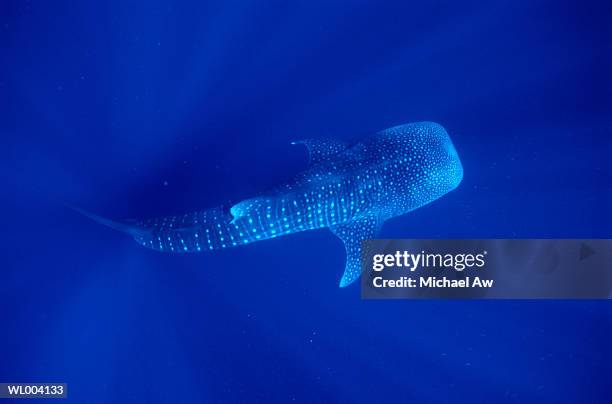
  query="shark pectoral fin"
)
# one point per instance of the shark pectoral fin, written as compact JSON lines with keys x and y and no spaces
{"x":322,"y":149}
{"x":352,"y":234}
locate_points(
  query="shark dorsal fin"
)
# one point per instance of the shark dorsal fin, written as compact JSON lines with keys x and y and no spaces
{"x":322,"y":149}
{"x":243,"y":208}
{"x":352,"y":234}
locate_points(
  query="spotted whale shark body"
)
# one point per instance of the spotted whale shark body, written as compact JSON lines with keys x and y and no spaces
{"x":350,"y":189}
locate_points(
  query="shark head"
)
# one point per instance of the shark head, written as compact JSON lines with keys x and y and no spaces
{"x":419,"y":164}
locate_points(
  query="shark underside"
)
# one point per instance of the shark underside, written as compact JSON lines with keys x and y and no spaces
{"x":350,"y":189}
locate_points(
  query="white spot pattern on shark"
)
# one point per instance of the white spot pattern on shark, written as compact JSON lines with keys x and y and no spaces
{"x":352,"y":190}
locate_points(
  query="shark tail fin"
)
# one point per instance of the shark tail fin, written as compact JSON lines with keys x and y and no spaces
{"x":130,"y":229}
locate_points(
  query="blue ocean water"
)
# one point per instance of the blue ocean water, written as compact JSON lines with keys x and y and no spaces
{"x":139,"y":109}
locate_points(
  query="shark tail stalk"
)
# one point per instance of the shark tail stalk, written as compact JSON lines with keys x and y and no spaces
{"x":212,"y":229}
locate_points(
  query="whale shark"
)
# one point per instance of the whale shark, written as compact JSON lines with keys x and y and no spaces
{"x":351,"y":189}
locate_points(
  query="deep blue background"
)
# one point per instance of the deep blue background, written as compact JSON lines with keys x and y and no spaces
{"x":137,"y":109}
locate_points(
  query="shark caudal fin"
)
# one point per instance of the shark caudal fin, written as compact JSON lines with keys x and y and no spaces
{"x":132,"y":230}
